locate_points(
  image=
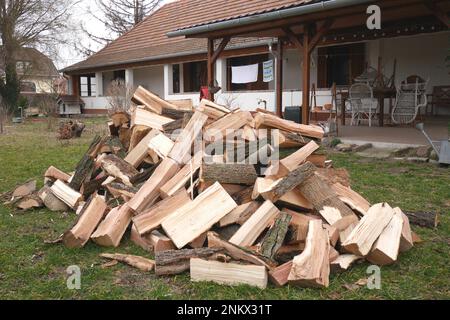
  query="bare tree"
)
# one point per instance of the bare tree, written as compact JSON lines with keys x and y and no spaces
{"x":28,"y":23}
{"x":118,"y":17}
{"x":119,"y":96}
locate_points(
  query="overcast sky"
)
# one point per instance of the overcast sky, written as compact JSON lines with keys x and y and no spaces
{"x":68,"y":55}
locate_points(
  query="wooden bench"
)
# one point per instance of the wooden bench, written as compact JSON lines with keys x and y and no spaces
{"x":439,"y":98}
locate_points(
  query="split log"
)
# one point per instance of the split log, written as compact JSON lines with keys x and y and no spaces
{"x":86,"y":164}
{"x":52,"y":203}
{"x":66,"y":194}
{"x":343,"y":262}
{"x":227,"y":125}
{"x":228,"y":273}
{"x":119,"y":189}
{"x":243,"y":196}
{"x":178,"y":261}
{"x":149,"y":192}
{"x":29,"y":202}
{"x":176,"y":114}
{"x":272,"y":121}
{"x":386,"y":248}
{"x":137,"y":155}
{"x":300,"y":225}
{"x":275,"y":236}
{"x":406,"y":241}
{"x":150,"y":100}
{"x":368,"y":230}
{"x":249,"y":134}
{"x":284,"y":167}
{"x":120,"y":118}
{"x":24,"y":190}
{"x":240,"y":214}
{"x":255,"y":225}
{"x":198,"y":242}
{"x":87,"y":221}
{"x":151,"y":242}
{"x":333,"y":234}
{"x":296,"y":201}
{"x":213,"y":110}
{"x":279,"y":276}
{"x":125,"y":136}
{"x":137,"y":134}
{"x":111,"y":230}
{"x":353,"y":199}
{"x":161,"y":145}
{"x":312,"y":266}
{"x":138,"y":262}
{"x":56,"y":174}
{"x":142,"y":117}
{"x":289,"y":252}
{"x":229,"y":173}
{"x":91,"y":186}
{"x":237,"y":252}
{"x":198,"y":216}
{"x":182,"y":149}
{"x":152,"y":218}
{"x":423,"y":219}
{"x":119,"y":169}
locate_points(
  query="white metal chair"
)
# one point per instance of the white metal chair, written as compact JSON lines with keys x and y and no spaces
{"x":411,"y":96}
{"x":362,"y":103}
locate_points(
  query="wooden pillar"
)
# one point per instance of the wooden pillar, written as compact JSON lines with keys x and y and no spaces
{"x":75,"y":79}
{"x":306,"y":75}
{"x":211,"y":67}
{"x":279,"y":76}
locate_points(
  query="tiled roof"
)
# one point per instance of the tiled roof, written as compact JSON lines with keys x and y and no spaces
{"x":148,"y":41}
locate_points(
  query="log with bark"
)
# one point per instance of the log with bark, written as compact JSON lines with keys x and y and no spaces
{"x":244,"y":174}
{"x":275,"y":236}
{"x":138,"y":262}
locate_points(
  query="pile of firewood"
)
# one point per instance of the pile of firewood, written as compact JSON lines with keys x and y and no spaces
{"x":70,"y":129}
{"x":233,"y":222}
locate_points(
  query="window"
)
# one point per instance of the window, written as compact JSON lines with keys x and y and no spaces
{"x":340,"y":64}
{"x":119,"y":75}
{"x":23,"y":66}
{"x":176,"y":88}
{"x":243,"y":61}
{"x":194,"y":76}
{"x":27,"y":86}
{"x":88,"y":86}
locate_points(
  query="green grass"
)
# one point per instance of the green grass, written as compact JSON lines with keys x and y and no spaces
{"x":30,"y":269}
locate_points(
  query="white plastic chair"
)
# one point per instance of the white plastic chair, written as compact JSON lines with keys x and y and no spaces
{"x":362,"y":103}
{"x":410,"y":98}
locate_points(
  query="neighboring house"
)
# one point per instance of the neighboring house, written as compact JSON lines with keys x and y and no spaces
{"x":175,"y":68}
{"x":70,"y":105}
{"x":36,"y":71}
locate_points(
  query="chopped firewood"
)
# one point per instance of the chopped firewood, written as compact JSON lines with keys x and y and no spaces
{"x":153,"y":102}
{"x":318,"y":159}
{"x":255,"y":225}
{"x":249,"y":134}
{"x":300,"y":224}
{"x":111,"y":230}
{"x":353,"y":199}
{"x":119,"y":189}
{"x":177,"y":114}
{"x":119,"y":168}
{"x":229,"y":173}
{"x":275,"y":236}
{"x":231,"y":189}
{"x":86,"y":164}
{"x":177,"y":261}
{"x":279,"y":276}
{"x":240,"y":214}
{"x":213,"y":110}
{"x":25,"y":189}
{"x":153,"y":217}
{"x":87,"y":221}
{"x":138,"y":262}
{"x":343,"y":262}
{"x":199,"y":241}
{"x":182,"y":149}
{"x":272,"y":121}
{"x":190,"y":221}
{"x":368,"y":230}
{"x":142,"y":117}
{"x":237,"y":252}
{"x":288,"y":252}
{"x":137,"y":155}
{"x":120,"y":118}
{"x":91,"y":186}
{"x":243,"y":196}
{"x":228,"y":273}
{"x":227,"y":124}
{"x":65,"y":193}
{"x":295,"y":200}
{"x":50,"y":201}
{"x":423,"y":219}
{"x":386,"y":248}
{"x":149,"y":192}
{"x":56,"y":174}
{"x":29,"y":202}
{"x":312,"y":266}
{"x":137,"y":134}
{"x":284,"y":167}
{"x":333,"y":234}
{"x":406,"y":241}
{"x":334,"y":254}
{"x":152,"y":242}
{"x":182,"y":177}
{"x":161,"y":145}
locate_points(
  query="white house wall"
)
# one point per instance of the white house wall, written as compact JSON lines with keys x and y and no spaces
{"x":151,"y":79}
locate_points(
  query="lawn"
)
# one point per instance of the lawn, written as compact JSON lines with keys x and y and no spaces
{"x":31,"y":269}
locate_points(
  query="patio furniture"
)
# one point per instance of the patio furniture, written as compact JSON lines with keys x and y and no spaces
{"x":362,"y":103}
{"x":411,"y":96}
{"x":439,"y":98}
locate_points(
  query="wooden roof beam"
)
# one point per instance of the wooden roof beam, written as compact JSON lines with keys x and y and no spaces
{"x":440,"y":14}
{"x":319,"y":34}
{"x":220,"y":49}
{"x":293,"y":38}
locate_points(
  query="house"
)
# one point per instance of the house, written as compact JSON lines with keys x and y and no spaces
{"x":187,"y":44}
{"x":70,"y":105}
